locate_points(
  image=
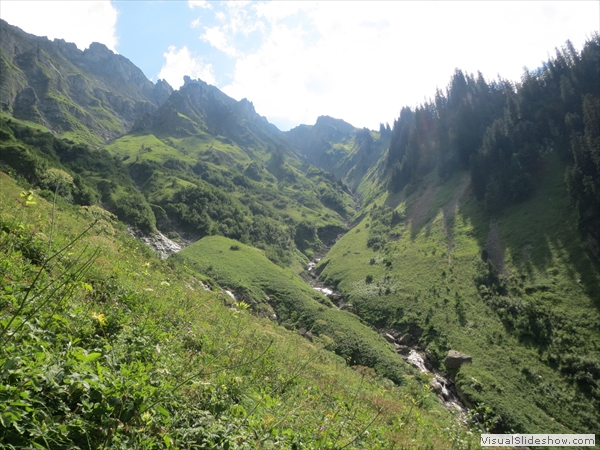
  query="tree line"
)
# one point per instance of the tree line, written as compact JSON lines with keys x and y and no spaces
{"x":500,"y":130}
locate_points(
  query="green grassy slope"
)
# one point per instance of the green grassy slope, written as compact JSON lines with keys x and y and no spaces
{"x":88,"y":176}
{"x":105,"y":346}
{"x":269,"y":187}
{"x":339,"y":148}
{"x":277,"y":292}
{"x":517,"y":291}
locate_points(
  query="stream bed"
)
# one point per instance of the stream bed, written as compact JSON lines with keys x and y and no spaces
{"x":444,"y":388}
{"x":406,"y":345}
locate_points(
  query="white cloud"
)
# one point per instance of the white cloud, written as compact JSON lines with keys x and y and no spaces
{"x":274,"y":11}
{"x":180,"y":63}
{"x":78,"y":22}
{"x":199,"y":4}
{"x":363,"y":61}
{"x":216,"y":37}
{"x":238,"y":21}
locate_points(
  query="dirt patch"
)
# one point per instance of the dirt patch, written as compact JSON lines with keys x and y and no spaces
{"x":420,"y":209}
{"x":494,"y":250}
{"x":450,"y":209}
{"x":460,"y":191}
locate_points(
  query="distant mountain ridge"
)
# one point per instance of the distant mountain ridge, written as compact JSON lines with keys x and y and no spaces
{"x":339,"y":147}
{"x":95,"y":95}
{"x":198,"y":107}
{"x":89,"y":93}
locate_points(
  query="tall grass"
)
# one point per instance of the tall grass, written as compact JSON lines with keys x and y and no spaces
{"x":132,"y":352}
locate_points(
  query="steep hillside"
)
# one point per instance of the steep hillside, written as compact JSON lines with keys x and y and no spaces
{"x":517,"y":292}
{"x":89,"y":96}
{"x":73,"y":171}
{"x":479,"y":233}
{"x":340,"y":148}
{"x":105,"y":346}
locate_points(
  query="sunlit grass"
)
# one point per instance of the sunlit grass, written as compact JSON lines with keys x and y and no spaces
{"x":150,"y":358}
{"x":431,"y":266}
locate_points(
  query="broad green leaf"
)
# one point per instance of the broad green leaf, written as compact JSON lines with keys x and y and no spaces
{"x":163,"y":411}
{"x":92,"y":357}
{"x":60,"y":319}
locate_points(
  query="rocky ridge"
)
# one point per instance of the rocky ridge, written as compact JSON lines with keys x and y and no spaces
{"x":55,"y":84}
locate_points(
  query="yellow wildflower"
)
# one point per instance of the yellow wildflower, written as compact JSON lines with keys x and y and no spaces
{"x":28,"y":197}
{"x":101,"y":318}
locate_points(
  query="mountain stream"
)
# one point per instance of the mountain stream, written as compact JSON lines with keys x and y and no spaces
{"x":406,"y":345}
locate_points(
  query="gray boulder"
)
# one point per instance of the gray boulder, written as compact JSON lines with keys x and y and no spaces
{"x":455,"y":359}
{"x":388,"y":337}
{"x":305,"y":334}
{"x":406,"y":339}
{"x":402,"y":349}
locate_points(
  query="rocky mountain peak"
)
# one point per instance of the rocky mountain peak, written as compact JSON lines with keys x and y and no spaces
{"x":163,"y":90}
{"x":66,"y":89}
{"x":338,"y":124}
{"x":97,"y":50}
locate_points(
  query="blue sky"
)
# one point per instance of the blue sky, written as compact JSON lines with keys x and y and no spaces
{"x":359,"y":61}
{"x":146,"y":31}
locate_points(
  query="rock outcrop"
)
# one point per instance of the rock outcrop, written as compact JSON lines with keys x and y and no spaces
{"x":455,"y":359}
{"x":164,"y":246}
{"x":198,"y":107}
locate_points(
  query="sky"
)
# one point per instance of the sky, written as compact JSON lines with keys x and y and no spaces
{"x":357,"y":61}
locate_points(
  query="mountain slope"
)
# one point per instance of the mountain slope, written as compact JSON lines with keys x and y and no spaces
{"x":477,"y":229}
{"x":338,"y":147}
{"x":109,"y":347}
{"x":92,"y":95}
{"x":518,"y":293}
